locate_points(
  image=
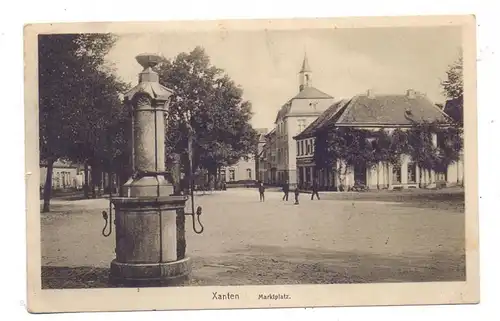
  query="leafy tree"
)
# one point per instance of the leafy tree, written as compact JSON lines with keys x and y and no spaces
{"x":351,"y":147}
{"x":453,"y":89}
{"x":453,"y":86}
{"x":77,"y":92}
{"x":211,"y":104}
{"x":346,"y":146}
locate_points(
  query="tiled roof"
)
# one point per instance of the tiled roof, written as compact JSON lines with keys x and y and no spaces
{"x":390,"y":110}
{"x":284,"y":110}
{"x":271,"y":132}
{"x":380,"y":110}
{"x":311,"y":93}
{"x":331,"y":114}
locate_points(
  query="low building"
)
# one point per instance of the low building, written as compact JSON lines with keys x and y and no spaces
{"x":374,"y":112}
{"x":65,"y":175}
{"x":244,"y":170}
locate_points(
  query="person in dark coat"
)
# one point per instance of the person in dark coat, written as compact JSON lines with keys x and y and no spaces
{"x":315,"y":189}
{"x":296,"y":193}
{"x":286,"y":190}
{"x":262,"y":189}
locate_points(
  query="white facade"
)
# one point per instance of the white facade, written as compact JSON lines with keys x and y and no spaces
{"x":298,"y":113}
{"x":381,"y":176}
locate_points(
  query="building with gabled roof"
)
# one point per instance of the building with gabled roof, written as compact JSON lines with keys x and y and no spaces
{"x":373,"y":112}
{"x":291,"y":119}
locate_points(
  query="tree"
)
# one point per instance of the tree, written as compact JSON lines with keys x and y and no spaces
{"x":212,"y":104}
{"x":77,"y":92}
{"x":57,"y":66}
{"x":453,"y":89}
{"x":345,"y":147}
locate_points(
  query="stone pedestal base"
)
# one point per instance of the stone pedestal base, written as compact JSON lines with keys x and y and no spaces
{"x":150,"y":275}
{"x":147,"y":187}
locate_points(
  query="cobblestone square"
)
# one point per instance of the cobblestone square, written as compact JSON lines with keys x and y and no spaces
{"x":400,"y":236}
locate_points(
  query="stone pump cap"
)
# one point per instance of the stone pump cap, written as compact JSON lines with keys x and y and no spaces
{"x":149,"y":81}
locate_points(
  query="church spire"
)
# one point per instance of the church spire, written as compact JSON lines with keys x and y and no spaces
{"x":305,"y":64}
{"x":305,"y":74}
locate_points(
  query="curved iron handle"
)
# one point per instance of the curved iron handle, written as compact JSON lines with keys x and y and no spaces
{"x":191,"y":185}
{"x":110,"y":222}
{"x":197,"y":213}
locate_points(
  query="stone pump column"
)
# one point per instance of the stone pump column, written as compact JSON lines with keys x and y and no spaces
{"x":146,"y":234}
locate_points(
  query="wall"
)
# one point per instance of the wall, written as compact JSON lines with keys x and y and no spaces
{"x":240,"y":170}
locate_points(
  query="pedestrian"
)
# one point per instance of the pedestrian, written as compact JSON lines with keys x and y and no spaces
{"x":261,"y":191}
{"x":286,"y":190}
{"x":314,"y":190}
{"x":296,"y":192}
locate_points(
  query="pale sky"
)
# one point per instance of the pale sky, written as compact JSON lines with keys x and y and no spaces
{"x":344,"y":62}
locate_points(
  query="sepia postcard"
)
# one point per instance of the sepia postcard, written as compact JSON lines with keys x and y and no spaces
{"x":251,"y":163}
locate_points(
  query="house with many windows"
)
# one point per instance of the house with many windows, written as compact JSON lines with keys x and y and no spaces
{"x":374,"y":112}
{"x":292,"y":118}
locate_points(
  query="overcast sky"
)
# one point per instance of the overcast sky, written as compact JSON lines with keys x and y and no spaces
{"x":345,"y":62}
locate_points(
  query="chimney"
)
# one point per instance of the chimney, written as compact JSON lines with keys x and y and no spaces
{"x":370,"y":94}
{"x":410,"y":93}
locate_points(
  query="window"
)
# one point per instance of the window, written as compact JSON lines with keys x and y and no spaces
{"x":301,"y":124}
{"x":56,"y":182}
{"x":396,"y":174}
{"x":249,"y":173}
{"x":301,"y":147}
{"x":441,"y":176}
{"x":298,"y":148}
{"x":222,"y":175}
{"x":412,"y":172}
{"x":231,"y":175}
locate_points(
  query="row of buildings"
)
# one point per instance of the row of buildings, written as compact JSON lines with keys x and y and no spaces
{"x":286,"y":153}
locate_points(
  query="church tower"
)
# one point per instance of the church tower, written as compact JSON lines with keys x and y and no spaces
{"x":305,"y":74}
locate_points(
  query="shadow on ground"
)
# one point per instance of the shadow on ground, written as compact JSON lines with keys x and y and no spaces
{"x":269,"y":265}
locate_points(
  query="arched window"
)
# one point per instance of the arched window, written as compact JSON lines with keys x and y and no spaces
{"x":249,"y":173}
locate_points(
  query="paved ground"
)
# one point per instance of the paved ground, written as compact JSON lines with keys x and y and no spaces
{"x":344,"y":238}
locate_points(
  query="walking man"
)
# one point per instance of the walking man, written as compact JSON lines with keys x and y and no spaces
{"x":296,"y":192}
{"x":261,"y":191}
{"x":315,"y":190}
{"x":286,"y":190}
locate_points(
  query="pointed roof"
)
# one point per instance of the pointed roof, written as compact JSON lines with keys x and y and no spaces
{"x":311,"y":93}
{"x":305,"y":65}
